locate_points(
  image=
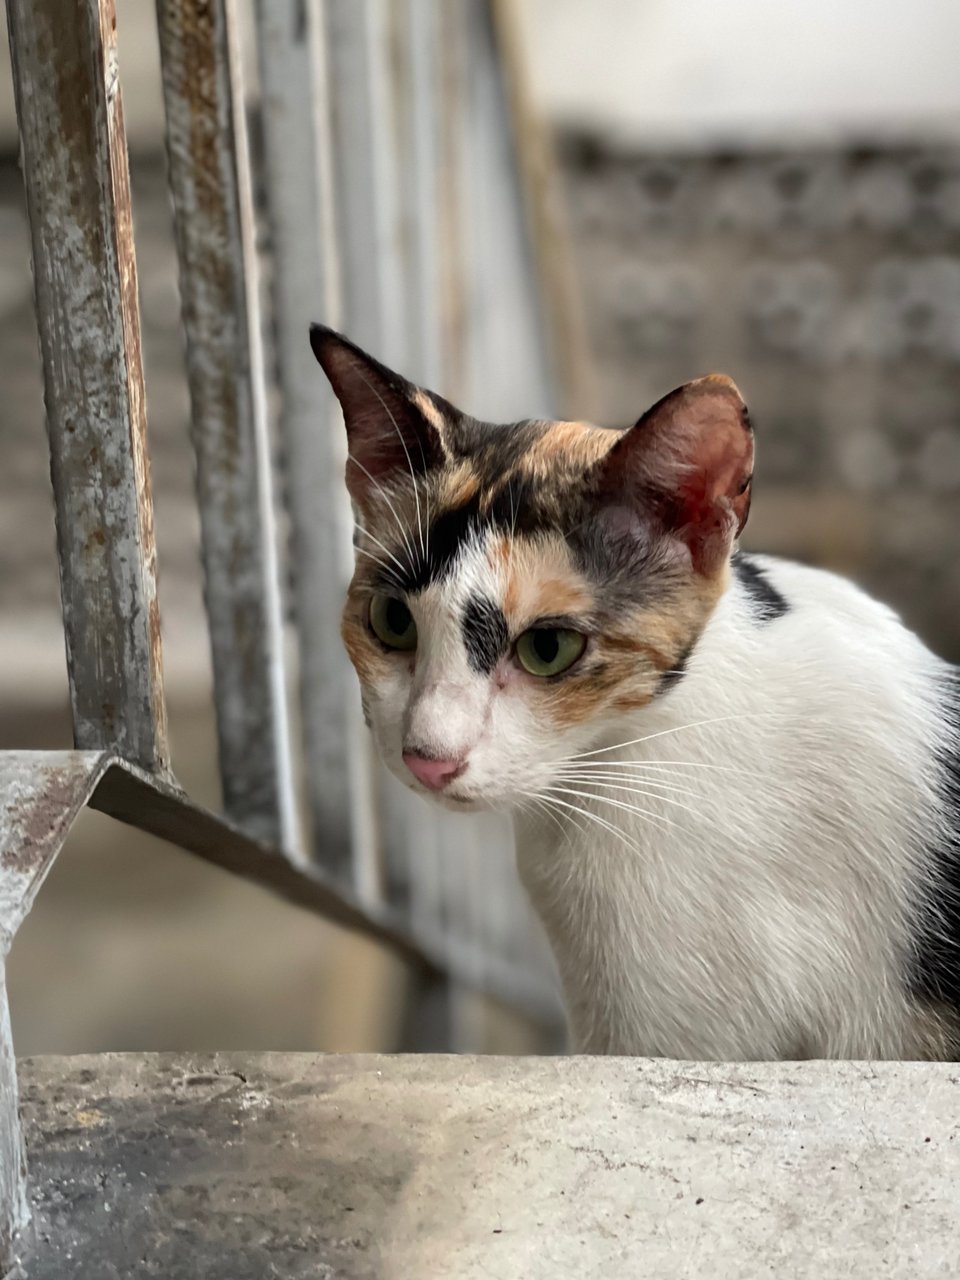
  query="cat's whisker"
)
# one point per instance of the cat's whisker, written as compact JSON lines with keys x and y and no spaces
{"x":635,"y":791}
{"x":540,"y":805}
{"x":617,"y":804}
{"x":594,"y":817}
{"x":679,"y":728}
{"x":513,"y":528}
{"x":385,"y":549}
{"x":568,"y":775}
{"x":413,"y":477}
{"x":408,"y":546}
{"x":388,"y":570}
{"x":658,"y":764}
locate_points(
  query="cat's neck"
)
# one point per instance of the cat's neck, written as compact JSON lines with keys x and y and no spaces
{"x":620,"y":866}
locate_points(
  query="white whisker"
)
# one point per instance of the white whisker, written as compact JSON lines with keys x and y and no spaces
{"x":636,"y":791}
{"x":413,"y":477}
{"x":617,"y":804}
{"x":594,"y":817}
{"x":387,"y":569}
{"x":570,"y":775}
{"x":696,"y":724}
{"x":385,"y":549}
{"x":386,"y":497}
{"x":656,"y":764}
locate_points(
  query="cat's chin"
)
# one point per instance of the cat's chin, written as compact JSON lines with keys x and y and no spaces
{"x":449,"y":800}
{"x":452,"y":802}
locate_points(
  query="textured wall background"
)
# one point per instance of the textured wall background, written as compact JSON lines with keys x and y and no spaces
{"x":827,"y":283}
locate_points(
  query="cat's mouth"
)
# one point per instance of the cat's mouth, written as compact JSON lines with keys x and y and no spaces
{"x":451,"y":798}
{"x":457,"y":802}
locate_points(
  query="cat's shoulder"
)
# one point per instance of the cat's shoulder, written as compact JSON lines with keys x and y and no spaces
{"x":772,"y":588}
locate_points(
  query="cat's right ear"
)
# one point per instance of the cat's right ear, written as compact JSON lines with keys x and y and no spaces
{"x":394,"y":428}
{"x":689,"y":459}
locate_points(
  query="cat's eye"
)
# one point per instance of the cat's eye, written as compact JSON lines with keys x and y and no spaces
{"x":546,"y":651}
{"x":392,"y":622}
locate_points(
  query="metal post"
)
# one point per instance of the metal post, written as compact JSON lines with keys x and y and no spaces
{"x":14,"y":1212}
{"x":299,"y":206}
{"x":69,"y":108}
{"x":210,"y":182}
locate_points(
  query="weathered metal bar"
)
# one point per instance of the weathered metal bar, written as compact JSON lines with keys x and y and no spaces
{"x":370,"y":245}
{"x":162,"y":809}
{"x":210,"y":183}
{"x":14,"y":1208}
{"x":299,"y":205}
{"x":40,"y":795}
{"x":64,"y":55}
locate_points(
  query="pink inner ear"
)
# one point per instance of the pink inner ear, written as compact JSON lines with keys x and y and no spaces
{"x":692,"y":454}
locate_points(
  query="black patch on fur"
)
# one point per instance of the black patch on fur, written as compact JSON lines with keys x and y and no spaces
{"x":485,"y":634}
{"x":935,"y":963}
{"x":509,"y":508}
{"x":673,"y":677}
{"x":768,"y":604}
{"x":446,"y":537}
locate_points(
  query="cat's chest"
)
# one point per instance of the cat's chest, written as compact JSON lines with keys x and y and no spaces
{"x":646,"y":953}
{"x":697,"y":941}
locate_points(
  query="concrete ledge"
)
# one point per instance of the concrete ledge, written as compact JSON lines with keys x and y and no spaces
{"x":239,"y":1166}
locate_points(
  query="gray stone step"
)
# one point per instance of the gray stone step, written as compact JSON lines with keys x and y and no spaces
{"x":231,"y":1167}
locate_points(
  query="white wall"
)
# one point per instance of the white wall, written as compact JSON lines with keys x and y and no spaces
{"x":685,"y":70}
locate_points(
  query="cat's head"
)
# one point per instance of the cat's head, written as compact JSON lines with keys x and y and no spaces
{"x":520,"y":590}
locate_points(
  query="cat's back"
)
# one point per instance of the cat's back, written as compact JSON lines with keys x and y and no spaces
{"x":822,"y":629}
{"x":803,"y":595}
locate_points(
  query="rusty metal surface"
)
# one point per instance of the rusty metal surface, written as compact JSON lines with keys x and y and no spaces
{"x":295,"y":113}
{"x":77,"y":186}
{"x":162,"y":809}
{"x":209,"y":180}
{"x":40,"y":795}
{"x":14,"y":1210}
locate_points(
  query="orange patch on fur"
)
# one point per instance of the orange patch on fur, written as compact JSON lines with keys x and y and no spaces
{"x":628,"y":644}
{"x":501,"y":557}
{"x":556,"y":595}
{"x":630,"y":665}
{"x":636,"y":703}
{"x":370,"y":663}
{"x":576,"y":442}
{"x":458,"y":487}
{"x":429,"y":410}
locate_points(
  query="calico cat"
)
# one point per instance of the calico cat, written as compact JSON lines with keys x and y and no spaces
{"x":734,"y":780}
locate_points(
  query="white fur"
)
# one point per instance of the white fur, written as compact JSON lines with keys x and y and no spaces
{"x":772,"y":922}
{"x":767,"y":919}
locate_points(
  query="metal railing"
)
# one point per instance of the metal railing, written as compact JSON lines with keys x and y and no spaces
{"x":396,"y":209}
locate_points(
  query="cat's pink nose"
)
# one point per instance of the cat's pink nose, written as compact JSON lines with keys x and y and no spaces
{"x":434,"y":774}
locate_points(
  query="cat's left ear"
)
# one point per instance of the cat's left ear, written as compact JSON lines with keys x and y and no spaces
{"x":393,"y":427}
{"x":690,"y":460}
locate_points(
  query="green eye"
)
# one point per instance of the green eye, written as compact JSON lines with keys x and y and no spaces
{"x":546,"y":651}
{"x":392,"y":623}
